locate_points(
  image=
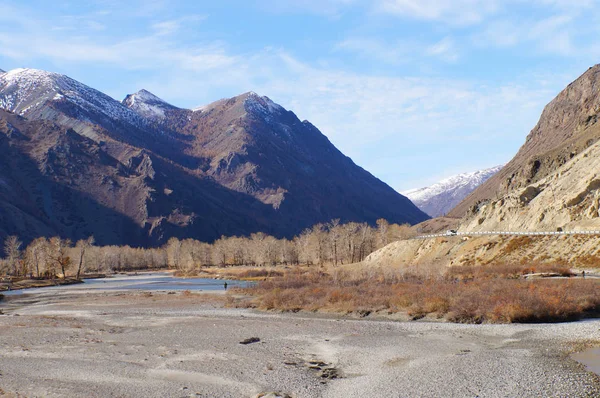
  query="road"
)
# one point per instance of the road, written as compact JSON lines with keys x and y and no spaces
{"x":508,"y":233}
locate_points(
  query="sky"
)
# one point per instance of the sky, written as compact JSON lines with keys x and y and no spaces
{"x":412,"y":90}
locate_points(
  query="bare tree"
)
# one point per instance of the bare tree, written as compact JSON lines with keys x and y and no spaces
{"x":36,"y":255}
{"x":83,"y":245}
{"x":174,"y":252}
{"x":58,"y":254}
{"x":382,"y":232}
{"x":334,"y":236}
{"x":12,"y":250}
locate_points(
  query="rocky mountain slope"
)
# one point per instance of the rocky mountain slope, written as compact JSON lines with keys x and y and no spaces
{"x":552,"y":183}
{"x":439,"y":198}
{"x":566,"y":127}
{"x":76,"y":162}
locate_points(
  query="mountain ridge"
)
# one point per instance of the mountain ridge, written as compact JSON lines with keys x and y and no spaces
{"x":241,"y":165}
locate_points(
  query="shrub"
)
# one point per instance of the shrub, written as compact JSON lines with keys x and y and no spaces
{"x":464,"y":294}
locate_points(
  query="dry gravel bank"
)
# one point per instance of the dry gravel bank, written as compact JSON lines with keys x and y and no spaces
{"x":109,"y":344}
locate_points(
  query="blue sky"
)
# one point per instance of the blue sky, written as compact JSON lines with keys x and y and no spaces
{"x":412,"y":90}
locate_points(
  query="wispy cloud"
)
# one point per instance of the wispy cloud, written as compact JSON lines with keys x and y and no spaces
{"x":555,"y":35}
{"x":330,"y":8}
{"x":172,"y":26}
{"x":453,"y":12}
{"x":400,"y":51}
{"x":444,"y":49}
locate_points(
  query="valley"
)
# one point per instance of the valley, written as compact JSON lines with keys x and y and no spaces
{"x":246,"y":256}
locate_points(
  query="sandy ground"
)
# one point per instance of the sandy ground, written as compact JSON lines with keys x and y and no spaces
{"x":115,"y":344}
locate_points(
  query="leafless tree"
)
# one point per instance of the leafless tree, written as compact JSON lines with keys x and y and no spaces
{"x":36,"y":256}
{"x":83,"y":245}
{"x":58,"y":254}
{"x":335,"y":232}
{"x":12,"y":250}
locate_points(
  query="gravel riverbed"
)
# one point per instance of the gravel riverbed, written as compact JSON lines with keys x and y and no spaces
{"x":136,"y":344}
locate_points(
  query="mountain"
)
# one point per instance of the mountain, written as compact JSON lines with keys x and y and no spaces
{"x":554,"y":180}
{"x":438,"y":199}
{"x":567,"y":127}
{"x":553,"y":183}
{"x":76,"y":162}
{"x":148,"y":105}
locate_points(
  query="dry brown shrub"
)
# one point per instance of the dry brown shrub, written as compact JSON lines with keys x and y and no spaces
{"x":518,"y":243}
{"x":465,"y":294}
{"x":258,"y":273}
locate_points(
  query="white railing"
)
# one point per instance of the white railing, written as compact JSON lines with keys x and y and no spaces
{"x":510,"y":233}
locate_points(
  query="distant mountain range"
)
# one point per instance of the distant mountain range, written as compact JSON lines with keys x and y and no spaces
{"x":438,"y":199}
{"x":75,"y":162}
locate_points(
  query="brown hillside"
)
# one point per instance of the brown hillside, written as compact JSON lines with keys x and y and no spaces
{"x":567,"y":126}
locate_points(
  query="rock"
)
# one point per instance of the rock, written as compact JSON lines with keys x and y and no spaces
{"x":329,"y":373}
{"x":250,"y":340}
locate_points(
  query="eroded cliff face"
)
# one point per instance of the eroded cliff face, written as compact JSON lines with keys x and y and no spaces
{"x":567,"y":127}
{"x":552,"y":183}
{"x":438,"y":253}
{"x":567,"y":198}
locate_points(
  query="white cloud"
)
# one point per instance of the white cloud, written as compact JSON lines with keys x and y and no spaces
{"x":331,"y":8}
{"x":399,"y":52}
{"x":376,"y":50}
{"x":550,"y":35}
{"x":444,"y":49}
{"x":453,"y":12}
{"x":172,"y":26}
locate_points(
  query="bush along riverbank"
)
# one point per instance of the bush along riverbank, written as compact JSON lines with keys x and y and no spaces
{"x":494,"y":294}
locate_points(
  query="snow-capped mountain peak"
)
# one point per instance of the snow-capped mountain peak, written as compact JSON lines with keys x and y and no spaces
{"x":252,"y":103}
{"x":263,"y":105}
{"x":25,"y":91}
{"x":147,"y":104}
{"x":438,"y":199}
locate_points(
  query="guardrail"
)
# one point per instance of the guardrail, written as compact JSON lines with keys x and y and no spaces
{"x":510,"y":233}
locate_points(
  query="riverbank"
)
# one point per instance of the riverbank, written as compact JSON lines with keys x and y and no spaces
{"x":188,"y":344}
{"x":37,"y":283}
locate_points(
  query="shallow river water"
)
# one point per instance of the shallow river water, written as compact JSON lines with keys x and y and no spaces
{"x":590,"y":358}
{"x":160,"y":281}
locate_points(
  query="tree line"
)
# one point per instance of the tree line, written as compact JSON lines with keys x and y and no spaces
{"x":332,"y":243}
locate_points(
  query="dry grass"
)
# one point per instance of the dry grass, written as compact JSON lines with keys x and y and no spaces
{"x":506,"y":271}
{"x":259,"y":273}
{"x":240,"y":273}
{"x":495,"y":294}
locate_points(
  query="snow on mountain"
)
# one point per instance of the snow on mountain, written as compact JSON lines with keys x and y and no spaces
{"x":2,"y":71}
{"x":438,"y":199}
{"x":147,"y":104}
{"x":264,"y":105}
{"x":253,"y":103}
{"x":25,"y":91}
